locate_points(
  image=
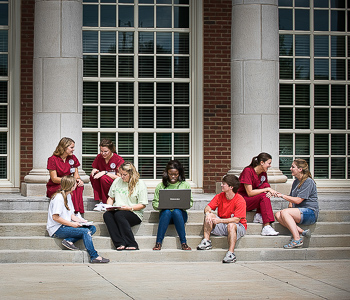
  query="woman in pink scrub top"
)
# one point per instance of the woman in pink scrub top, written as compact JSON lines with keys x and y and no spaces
{"x":105,"y":170}
{"x":64,"y":163}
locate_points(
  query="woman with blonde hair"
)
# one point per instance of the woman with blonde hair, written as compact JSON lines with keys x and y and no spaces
{"x":64,"y":163}
{"x":62,"y":223}
{"x":303,"y":204}
{"x":128,"y":198}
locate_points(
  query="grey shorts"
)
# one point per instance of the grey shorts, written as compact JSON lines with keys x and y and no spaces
{"x":221,"y":229}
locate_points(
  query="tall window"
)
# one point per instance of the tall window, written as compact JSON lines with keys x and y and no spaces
{"x":4,"y":89}
{"x":137,"y":81}
{"x":314,"y":94}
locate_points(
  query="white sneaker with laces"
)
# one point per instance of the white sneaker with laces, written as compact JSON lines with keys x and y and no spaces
{"x":268,"y":230}
{"x":229,"y":257}
{"x":258,"y":218}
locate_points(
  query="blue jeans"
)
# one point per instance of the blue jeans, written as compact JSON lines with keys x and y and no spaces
{"x":72,"y":234}
{"x":178,"y":217}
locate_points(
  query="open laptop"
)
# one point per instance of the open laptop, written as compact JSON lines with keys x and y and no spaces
{"x":170,"y":199}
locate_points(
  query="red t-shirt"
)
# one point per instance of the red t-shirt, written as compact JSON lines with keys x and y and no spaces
{"x":226,"y":208}
{"x":249,"y":176}
{"x":112,"y":166}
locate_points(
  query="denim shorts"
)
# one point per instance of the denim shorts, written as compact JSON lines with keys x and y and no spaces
{"x":307,"y":216}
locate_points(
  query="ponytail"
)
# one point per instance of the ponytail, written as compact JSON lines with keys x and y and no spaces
{"x":262,"y":157}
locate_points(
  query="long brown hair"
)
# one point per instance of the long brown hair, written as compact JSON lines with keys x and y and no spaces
{"x":109,"y":144}
{"x":134,"y":175}
{"x":67,"y":184}
{"x":63,"y":144}
{"x":302,"y":164}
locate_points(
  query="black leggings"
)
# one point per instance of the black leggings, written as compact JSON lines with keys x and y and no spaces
{"x":119,"y":225}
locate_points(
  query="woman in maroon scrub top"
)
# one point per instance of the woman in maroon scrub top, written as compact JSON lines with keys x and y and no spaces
{"x":256,"y":191}
{"x":64,"y":163}
{"x":105,"y":170}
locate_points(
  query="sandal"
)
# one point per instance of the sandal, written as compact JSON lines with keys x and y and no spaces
{"x":120,"y":248}
{"x":157,"y":247}
{"x":131,"y":248}
{"x":294,"y":244}
{"x":184,"y":246}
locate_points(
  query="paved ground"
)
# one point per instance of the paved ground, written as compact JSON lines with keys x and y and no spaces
{"x":242,"y":280}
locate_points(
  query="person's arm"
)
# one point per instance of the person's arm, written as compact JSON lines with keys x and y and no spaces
{"x":77,"y":177}
{"x":62,"y":221}
{"x":94,"y":171}
{"x":54,"y":177}
{"x":135,"y":207}
{"x":110,"y":201}
{"x":226,"y":221}
{"x":290,"y":199}
{"x":251,"y":192}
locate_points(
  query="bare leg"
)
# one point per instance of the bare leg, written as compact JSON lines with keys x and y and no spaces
{"x":231,"y":236}
{"x":289,"y":218}
{"x":208,"y":225}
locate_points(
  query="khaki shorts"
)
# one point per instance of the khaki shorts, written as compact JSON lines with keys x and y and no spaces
{"x":221,"y":229}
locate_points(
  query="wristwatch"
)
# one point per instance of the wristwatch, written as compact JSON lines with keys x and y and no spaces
{"x":106,"y":173}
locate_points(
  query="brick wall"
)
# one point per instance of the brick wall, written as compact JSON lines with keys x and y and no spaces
{"x":217,"y":91}
{"x":26,"y":123}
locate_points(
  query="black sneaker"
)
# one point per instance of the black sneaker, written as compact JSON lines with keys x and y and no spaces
{"x":69,"y":245}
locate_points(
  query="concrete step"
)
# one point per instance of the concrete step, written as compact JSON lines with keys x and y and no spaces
{"x":170,"y":242}
{"x":174,"y":255}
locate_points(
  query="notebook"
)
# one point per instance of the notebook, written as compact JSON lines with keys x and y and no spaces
{"x":170,"y":199}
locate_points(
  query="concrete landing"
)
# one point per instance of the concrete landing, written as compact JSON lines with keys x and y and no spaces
{"x":204,"y":280}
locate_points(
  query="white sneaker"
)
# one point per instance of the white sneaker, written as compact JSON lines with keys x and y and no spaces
{"x":98,"y":207}
{"x":79,"y":216}
{"x":268,"y":230}
{"x":258,"y":218}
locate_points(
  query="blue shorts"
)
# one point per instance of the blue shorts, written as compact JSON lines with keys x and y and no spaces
{"x":307,"y":216}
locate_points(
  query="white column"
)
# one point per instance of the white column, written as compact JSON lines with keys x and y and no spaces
{"x":255,"y":73}
{"x":57,"y":103}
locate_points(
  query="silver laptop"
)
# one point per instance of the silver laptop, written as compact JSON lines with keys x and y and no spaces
{"x":170,"y":199}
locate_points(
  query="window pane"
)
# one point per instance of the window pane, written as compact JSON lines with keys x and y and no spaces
{"x":321,"y":94}
{"x":181,"y":117}
{"x":338,"y":95}
{"x":302,"y":45}
{"x":321,"y":20}
{"x":302,"y":19}
{"x":285,"y":163}
{"x":285,"y":2}
{"x":321,"y":3}
{"x":163,"y":93}
{"x":146,"y":117}
{"x":126,"y":93}
{"x":146,"y":93}
{"x":286,"y":118}
{"x":90,"y":92}
{"x":321,"y":69}
{"x":321,"y":167}
{"x":90,"y":116}
{"x":181,"y":67}
{"x":286,"y":44}
{"x":90,"y":66}
{"x":3,"y":142}
{"x":108,"y":42}
{"x":108,"y":117}
{"x":163,"y":117}
{"x":146,"y":144}
{"x":302,"y":144}
{"x":163,"y":16}
{"x":146,"y":66}
{"x":338,"y":144}
{"x":321,"y":45}
{"x":3,"y":167}
{"x":302,"y":3}
{"x":164,"y":145}
{"x":3,"y":116}
{"x":90,"y":15}
{"x":126,"y":16}
{"x":108,"y":15}
{"x":338,"y":20}
{"x":302,"y":118}
{"x":321,"y":118}
{"x":108,"y":66}
{"x":126,"y":42}
{"x":321,"y":144}
{"x":338,"y":69}
{"x":126,"y":143}
{"x":181,"y":43}
{"x":90,"y":143}
{"x":286,"y":94}
{"x":338,"y":167}
{"x":146,"y":167}
{"x":302,"y":94}
{"x":338,"y":46}
{"x":285,"y":19}
{"x":185,"y":163}
{"x":87,"y":164}
{"x":161,"y":163}
{"x":286,"y":144}
{"x":302,"y":68}
{"x":90,"y":41}
{"x":3,"y":65}
{"x":146,"y":16}
{"x":126,"y":117}
{"x":108,"y":136}
{"x":181,"y":143}
{"x":126,"y":66}
{"x":146,"y":42}
{"x":181,"y":17}
{"x":181,"y":93}
{"x":338,"y":118}
{"x":164,"y":44}
{"x":163,"y":67}
{"x":108,"y":92}
{"x":286,"y":68}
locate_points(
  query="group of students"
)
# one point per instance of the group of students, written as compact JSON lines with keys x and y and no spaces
{"x":119,"y":190}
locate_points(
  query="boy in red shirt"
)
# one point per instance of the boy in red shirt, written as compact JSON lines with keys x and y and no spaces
{"x":230,"y":219}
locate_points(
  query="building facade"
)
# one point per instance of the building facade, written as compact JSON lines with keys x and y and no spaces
{"x":211,"y":83}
